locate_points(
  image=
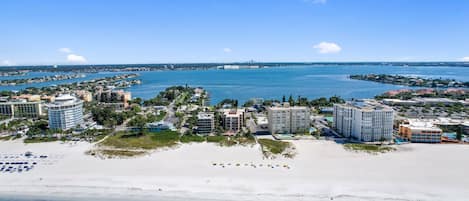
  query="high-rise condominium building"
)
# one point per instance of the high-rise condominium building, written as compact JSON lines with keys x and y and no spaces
{"x":288,"y":120}
{"x":364,"y":121}
{"x":65,"y":112}
{"x":205,"y":123}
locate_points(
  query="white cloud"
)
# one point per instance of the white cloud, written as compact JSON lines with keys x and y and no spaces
{"x":327,"y":48}
{"x":7,"y":63}
{"x":73,"y":58}
{"x":65,"y":50}
{"x":316,"y":1}
{"x":227,"y":50}
{"x":76,"y":58}
{"x":465,"y":59}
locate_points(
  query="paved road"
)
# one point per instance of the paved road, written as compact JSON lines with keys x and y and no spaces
{"x":171,"y":114}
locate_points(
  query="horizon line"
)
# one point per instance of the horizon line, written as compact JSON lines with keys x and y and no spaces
{"x":240,"y":62}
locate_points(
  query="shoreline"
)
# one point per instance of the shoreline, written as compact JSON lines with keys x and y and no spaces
{"x":97,"y":193}
{"x":321,"y":170}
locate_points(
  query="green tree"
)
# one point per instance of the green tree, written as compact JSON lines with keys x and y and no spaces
{"x":291,"y":101}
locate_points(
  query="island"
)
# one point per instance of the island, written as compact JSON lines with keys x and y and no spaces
{"x":40,"y":79}
{"x":411,"y":81}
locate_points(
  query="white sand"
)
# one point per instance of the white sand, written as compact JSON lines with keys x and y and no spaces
{"x":320,"y":170}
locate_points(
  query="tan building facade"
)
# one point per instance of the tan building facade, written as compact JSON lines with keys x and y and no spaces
{"x":21,"y":109}
{"x":288,"y":120}
{"x":233,"y":120}
{"x":418,"y":131}
{"x":110,"y":96}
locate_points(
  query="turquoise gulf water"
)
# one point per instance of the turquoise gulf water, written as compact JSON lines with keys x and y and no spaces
{"x":307,"y":81}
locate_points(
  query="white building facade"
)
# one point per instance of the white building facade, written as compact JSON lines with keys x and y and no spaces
{"x":233,"y":120}
{"x":288,"y":120}
{"x":363,"y":121}
{"x":65,"y":113}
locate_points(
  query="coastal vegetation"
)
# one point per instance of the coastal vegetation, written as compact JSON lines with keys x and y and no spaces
{"x":14,"y":125}
{"x":410,"y":80}
{"x":408,"y":94}
{"x":40,"y":79}
{"x":109,"y":117}
{"x":303,"y":101}
{"x":140,"y":120}
{"x":275,"y":147}
{"x":145,"y":141}
{"x":6,"y":138}
{"x":149,"y":140}
{"x":369,"y":148}
{"x":130,"y":142}
{"x":228,"y":141}
{"x":111,"y":153}
{"x":178,"y":94}
{"x":228,"y":102}
{"x":192,"y":138}
{"x":122,"y":80}
{"x":40,"y":139}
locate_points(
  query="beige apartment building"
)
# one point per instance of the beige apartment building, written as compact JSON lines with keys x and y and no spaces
{"x":287,"y":119}
{"x":21,"y":109}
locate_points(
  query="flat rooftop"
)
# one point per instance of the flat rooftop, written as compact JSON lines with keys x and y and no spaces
{"x":421,"y":124}
{"x":205,"y":115}
{"x":367,"y":105}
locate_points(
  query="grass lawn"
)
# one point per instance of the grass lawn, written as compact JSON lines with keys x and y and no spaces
{"x":273,"y":146}
{"x":126,"y":140}
{"x":370,"y":148}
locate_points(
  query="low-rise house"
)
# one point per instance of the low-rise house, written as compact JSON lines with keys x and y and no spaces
{"x":420,"y":131}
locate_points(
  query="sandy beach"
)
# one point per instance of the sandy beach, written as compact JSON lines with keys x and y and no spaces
{"x":321,"y":170}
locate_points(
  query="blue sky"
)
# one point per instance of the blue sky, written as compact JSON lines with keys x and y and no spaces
{"x":98,"y":32}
